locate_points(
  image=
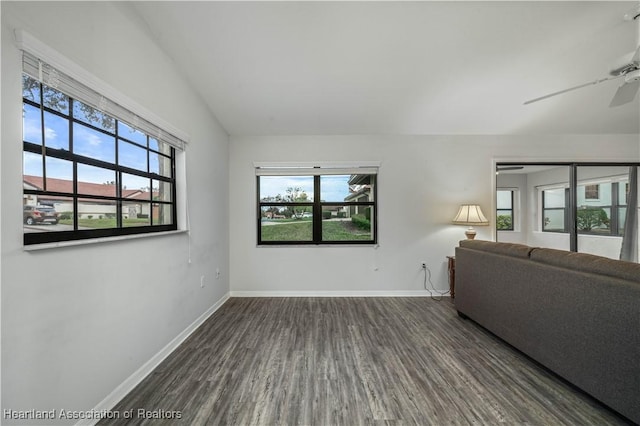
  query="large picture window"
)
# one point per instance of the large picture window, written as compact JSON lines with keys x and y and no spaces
{"x":316,"y":206}
{"x":88,"y":173}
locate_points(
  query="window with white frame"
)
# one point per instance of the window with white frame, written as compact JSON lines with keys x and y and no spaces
{"x":555,"y":202}
{"x":505,"y":209}
{"x":316,"y":205}
{"x":91,"y":168}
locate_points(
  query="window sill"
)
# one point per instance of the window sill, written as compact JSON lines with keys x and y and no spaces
{"x":46,"y":246}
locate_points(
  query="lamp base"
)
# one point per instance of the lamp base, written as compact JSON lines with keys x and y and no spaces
{"x":470,"y":233}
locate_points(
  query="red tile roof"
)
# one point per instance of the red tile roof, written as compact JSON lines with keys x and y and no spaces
{"x":99,"y":189}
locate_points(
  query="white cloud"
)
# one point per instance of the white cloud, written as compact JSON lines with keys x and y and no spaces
{"x":50,"y":134}
{"x":31,"y":130}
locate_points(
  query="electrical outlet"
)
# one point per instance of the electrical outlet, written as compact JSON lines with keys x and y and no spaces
{"x":202,"y":281}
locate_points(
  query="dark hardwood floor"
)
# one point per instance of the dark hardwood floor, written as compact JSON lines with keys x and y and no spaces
{"x":352,"y":361}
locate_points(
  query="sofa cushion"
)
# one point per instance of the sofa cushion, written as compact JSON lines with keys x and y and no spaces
{"x":507,"y":249}
{"x":588,"y":263}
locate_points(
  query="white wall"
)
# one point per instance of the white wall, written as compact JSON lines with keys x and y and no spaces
{"x":78,"y":321}
{"x":422,"y":181}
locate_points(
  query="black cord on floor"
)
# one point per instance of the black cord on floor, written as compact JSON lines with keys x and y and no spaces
{"x":427,"y":277}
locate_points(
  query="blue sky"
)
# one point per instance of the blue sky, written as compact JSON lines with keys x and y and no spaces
{"x":89,"y":143}
{"x":334,"y":187}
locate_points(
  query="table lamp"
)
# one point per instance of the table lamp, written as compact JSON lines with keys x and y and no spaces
{"x":470,"y":215}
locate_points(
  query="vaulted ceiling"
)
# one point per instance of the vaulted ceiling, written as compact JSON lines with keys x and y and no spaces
{"x":398,"y":67}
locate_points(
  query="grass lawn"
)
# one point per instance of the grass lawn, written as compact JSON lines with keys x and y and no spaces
{"x":343,"y":230}
{"x":288,"y":231}
{"x":302,"y":231}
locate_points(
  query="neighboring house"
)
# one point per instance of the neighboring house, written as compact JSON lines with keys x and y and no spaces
{"x":87,"y":207}
{"x":360,"y":186}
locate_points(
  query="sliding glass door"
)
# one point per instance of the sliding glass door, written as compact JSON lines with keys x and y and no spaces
{"x":589,"y":208}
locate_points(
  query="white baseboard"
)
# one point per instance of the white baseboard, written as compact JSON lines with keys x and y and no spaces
{"x":404,"y":293}
{"x":132,"y":381}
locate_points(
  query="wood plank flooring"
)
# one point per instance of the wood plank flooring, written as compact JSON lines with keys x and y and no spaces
{"x":353,"y":361}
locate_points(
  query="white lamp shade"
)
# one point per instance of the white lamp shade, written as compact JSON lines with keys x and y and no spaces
{"x":470,"y":214}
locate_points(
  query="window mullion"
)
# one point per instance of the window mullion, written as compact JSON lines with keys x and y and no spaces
{"x":613,"y":211}
{"x":42,"y":135}
{"x":317,"y":211}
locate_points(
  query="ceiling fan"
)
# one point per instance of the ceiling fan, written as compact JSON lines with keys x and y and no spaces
{"x":505,"y":168}
{"x":626,"y":92}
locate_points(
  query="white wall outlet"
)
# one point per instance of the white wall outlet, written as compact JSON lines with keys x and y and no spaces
{"x":202,"y":281}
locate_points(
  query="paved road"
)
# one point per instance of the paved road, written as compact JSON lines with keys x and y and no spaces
{"x":47,"y":228}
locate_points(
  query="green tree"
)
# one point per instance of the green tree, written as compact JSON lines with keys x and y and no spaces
{"x":297,"y":195}
{"x":58,"y":101}
{"x":590,"y":218}
{"x":504,"y":222}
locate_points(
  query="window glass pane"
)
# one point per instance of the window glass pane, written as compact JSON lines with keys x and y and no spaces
{"x":161,"y":190}
{"x":96,"y":214}
{"x":56,"y":131}
{"x":504,"y":220}
{"x":135,"y":214}
{"x":59,"y":175}
{"x":129,"y":133}
{"x":554,"y":220}
{"x":162,"y":214}
{"x":503,"y":199}
{"x":93,"y":144}
{"x":96,"y":181}
{"x":134,"y":186}
{"x":64,"y":207}
{"x":56,"y":100}
{"x":286,"y":189}
{"x":32,"y":166}
{"x":47,"y":214}
{"x":554,"y":197}
{"x":30,"y":88}
{"x":278,"y":224}
{"x":153,"y":144}
{"x":361,"y":188}
{"x":347,"y":223}
{"x":353,"y":188}
{"x":594,"y":195}
{"x":159,"y":164}
{"x":93,"y":116}
{"x":131,"y":155}
{"x":31,"y":124}
{"x":163,"y":148}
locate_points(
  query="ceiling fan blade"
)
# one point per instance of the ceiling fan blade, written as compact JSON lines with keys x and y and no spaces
{"x":600,"y":80}
{"x":636,"y":57}
{"x":625,"y":93}
{"x":627,"y":64}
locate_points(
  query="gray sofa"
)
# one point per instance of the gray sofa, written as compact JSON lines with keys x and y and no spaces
{"x":575,"y":313}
